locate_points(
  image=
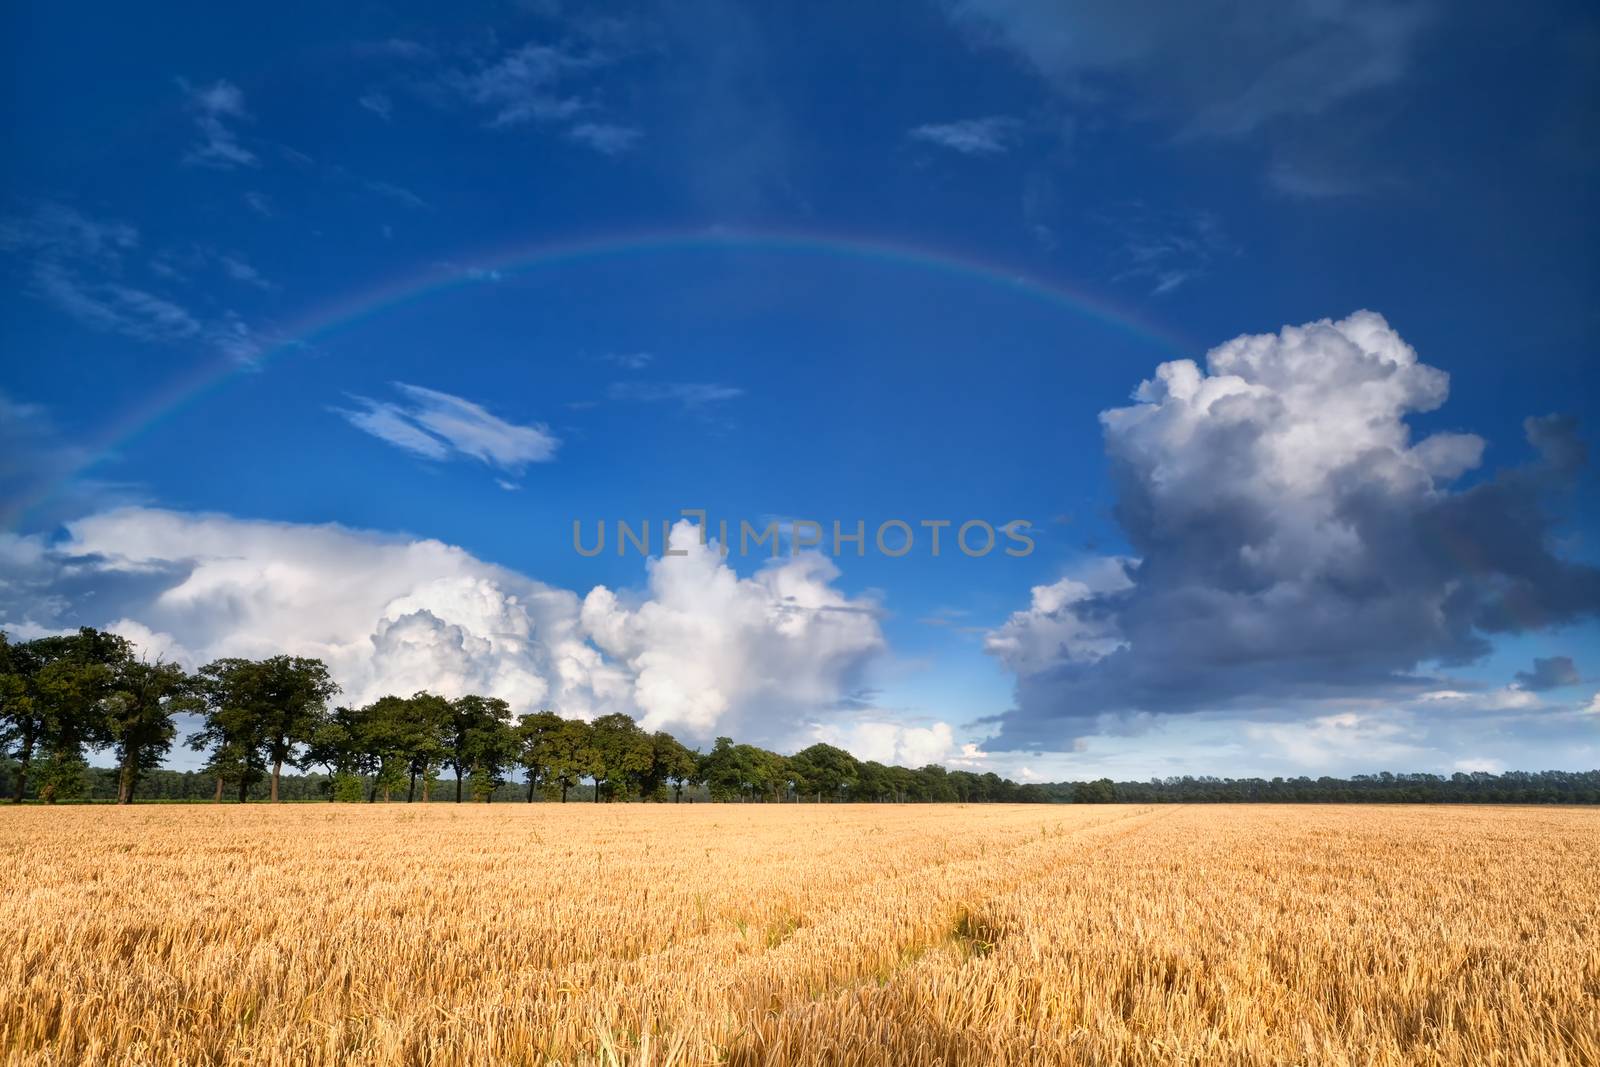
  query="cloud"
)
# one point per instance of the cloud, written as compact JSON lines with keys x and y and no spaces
{"x":1506,"y":698}
{"x":971,"y":137}
{"x":897,"y":744}
{"x":527,"y":84}
{"x":1297,"y":180}
{"x":396,"y":48}
{"x":388,"y":614}
{"x":700,"y":650}
{"x":1215,"y":68}
{"x":1479,"y":765}
{"x":437,"y":425}
{"x":83,"y":266}
{"x":630,"y":360}
{"x":214,"y":108}
{"x":708,"y":651}
{"x":377,"y":103}
{"x":1166,"y":249}
{"x":689,"y":395}
{"x":1552,"y":673}
{"x":39,"y":467}
{"x":1293,"y":542}
{"x":394,"y":192}
{"x":1331,"y":741}
{"x":605,"y":137}
{"x":184,"y":264}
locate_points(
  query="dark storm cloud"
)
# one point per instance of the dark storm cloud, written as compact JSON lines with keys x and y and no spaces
{"x":1549,"y":673}
{"x":1293,"y":542}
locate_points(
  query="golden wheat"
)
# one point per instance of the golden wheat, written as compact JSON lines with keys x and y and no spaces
{"x":785,"y":935}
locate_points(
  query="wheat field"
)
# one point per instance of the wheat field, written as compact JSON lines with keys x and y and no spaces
{"x":756,"y":934}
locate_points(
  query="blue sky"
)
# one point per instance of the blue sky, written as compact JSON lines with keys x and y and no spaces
{"x":289,"y":361}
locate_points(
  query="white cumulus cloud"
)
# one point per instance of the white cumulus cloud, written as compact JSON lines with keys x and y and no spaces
{"x":705,"y":648}
{"x":700,"y":650}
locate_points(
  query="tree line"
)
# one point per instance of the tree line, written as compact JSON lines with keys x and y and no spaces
{"x":63,"y":696}
{"x":1477,"y":787}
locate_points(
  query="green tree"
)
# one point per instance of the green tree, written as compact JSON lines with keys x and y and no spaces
{"x":825,"y":771}
{"x":1100,"y":791}
{"x":291,"y":701}
{"x":336,"y":746}
{"x":260,"y":711}
{"x":138,"y":717}
{"x":21,"y":718}
{"x":73,"y":677}
{"x":536,"y":741}
{"x":480,"y":742}
{"x":719,"y":769}
{"x":620,"y":754}
{"x":426,"y":741}
{"x":568,"y":758}
{"x":671,"y":764}
{"x":384,"y":735}
{"x":231,"y":727}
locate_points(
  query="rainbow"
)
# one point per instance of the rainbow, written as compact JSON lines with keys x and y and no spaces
{"x":367,"y":303}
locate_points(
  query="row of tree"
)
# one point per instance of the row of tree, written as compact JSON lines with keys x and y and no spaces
{"x":1478,"y":787}
{"x":63,"y":696}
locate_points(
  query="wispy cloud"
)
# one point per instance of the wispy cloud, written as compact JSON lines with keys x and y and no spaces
{"x":1167,"y":249}
{"x":526,"y":84}
{"x":83,"y":267}
{"x":1297,"y":180}
{"x":398,"y":193}
{"x":688,"y":395}
{"x":394,"y":48}
{"x":377,"y":103}
{"x":604,"y":137}
{"x":214,"y":108}
{"x":542,"y":83}
{"x":971,"y":137}
{"x":39,"y":473}
{"x":438,"y":426}
{"x":184,"y":264}
{"x":630,"y":360}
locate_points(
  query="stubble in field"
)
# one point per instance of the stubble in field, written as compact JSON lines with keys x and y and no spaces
{"x":785,"y":935}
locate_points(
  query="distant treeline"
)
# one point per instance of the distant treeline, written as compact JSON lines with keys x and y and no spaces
{"x":1513,"y":787}
{"x":64,"y":697}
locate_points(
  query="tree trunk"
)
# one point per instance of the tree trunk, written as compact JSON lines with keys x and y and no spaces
{"x":458,"y":785}
{"x":125,"y":783}
{"x":24,"y":758}
{"x":277,"y":769}
{"x":563,"y":790}
{"x":411,"y":790}
{"x":530,"y":789}
{"x":597,"y":790}
{"x":244,"y":788}
{"x":427,"y":788}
